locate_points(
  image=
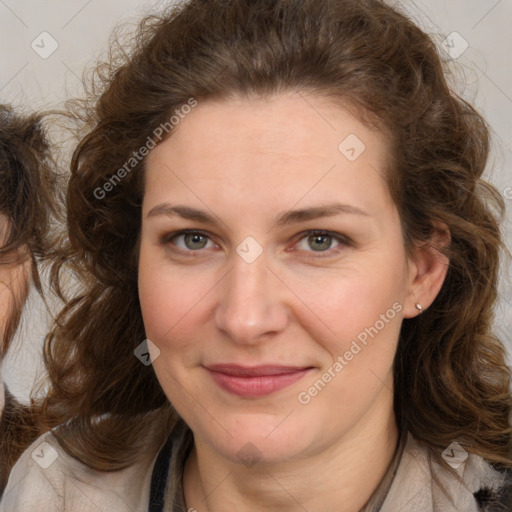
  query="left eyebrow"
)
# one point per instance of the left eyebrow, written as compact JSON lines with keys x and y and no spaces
{"x":316,"y":212}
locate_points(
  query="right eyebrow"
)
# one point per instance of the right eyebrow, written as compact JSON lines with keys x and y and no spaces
{"x":185,"y":212}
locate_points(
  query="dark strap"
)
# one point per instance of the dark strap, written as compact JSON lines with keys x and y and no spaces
{"x":159,"y":478}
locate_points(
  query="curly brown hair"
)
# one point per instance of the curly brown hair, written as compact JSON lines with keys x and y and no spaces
{"x":28,"y":202}
{"x":451,"y":380}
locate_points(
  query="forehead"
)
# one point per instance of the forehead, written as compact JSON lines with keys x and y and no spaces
{"x":284,"y":147}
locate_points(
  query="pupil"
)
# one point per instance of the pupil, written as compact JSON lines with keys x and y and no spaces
{"x":322,"y":241}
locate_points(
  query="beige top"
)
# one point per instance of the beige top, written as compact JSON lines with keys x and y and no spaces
{"x":46,"y":479}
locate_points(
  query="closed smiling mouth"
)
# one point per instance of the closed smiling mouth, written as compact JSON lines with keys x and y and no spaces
{"x":255,"y":381}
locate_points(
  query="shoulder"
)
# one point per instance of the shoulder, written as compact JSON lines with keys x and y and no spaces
{"x":466,"y":483}
{"x":491,"y":487}
{"x":46,"y":477}
{"x":478,"y":480}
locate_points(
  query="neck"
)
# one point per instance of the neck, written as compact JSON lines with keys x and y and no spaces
{"x":342,"y":478}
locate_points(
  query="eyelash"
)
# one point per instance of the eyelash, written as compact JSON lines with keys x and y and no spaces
{"x":342,"y":240}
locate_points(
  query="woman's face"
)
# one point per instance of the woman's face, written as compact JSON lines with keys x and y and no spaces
{"x":274,"y":342}
{"x":13,"y":277}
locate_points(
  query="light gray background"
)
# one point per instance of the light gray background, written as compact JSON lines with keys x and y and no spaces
{"x":81,"y":28}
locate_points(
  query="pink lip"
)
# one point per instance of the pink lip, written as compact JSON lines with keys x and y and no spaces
{"x":256,"y":380}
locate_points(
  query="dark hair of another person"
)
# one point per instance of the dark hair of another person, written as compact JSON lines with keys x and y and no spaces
{"x":28,"y":183}
{"x":451,"y":381}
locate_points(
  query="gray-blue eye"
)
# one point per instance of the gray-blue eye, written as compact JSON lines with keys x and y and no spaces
{"x":319,"y":242}
{"x":191,"y":241}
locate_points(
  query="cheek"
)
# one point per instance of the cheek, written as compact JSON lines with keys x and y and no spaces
{"x":361,"y":325}
{"x":171,"y":300}
{"x":346,"y":302}
{"x":13,"y":285}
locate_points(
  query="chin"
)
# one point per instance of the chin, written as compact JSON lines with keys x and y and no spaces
{"x":262,"y":438}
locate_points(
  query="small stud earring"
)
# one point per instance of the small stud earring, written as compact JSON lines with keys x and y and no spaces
{"x":419,"y":308}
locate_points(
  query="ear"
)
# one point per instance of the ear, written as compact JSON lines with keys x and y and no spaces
{"x":427,"y":271}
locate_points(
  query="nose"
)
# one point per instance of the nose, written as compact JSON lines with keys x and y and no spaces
{"x":251,"y":303}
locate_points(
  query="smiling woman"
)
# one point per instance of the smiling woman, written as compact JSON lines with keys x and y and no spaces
{"x":332,"y":242}
{"x":315,"y":226}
